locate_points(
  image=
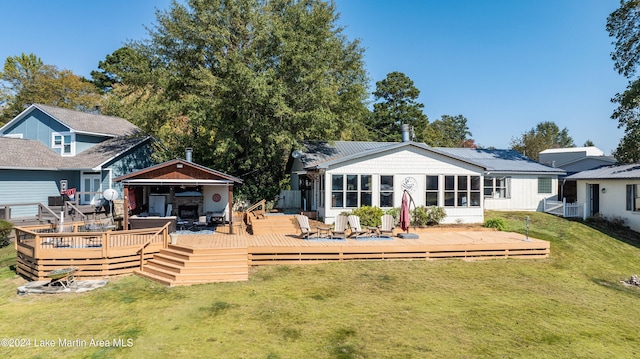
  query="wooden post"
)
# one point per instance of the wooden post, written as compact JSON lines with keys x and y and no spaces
{"x":231,"y":209}
{"x":125,"y":214}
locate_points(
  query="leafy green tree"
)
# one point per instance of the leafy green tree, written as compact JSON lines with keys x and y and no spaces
{"x":26,"y":80}
{"x":544,"y":136}
{"x":242,"y":82}
{"x":588,"y":143}
{"x":624,"y":26}
{"x":396,"y":97}
{"x":449,"y":131}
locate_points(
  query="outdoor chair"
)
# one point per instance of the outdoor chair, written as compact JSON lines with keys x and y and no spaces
{"x":356,"y":230}
{"x":305,"y":228}
{"x":387,"y":225}
{"x":340,"y":227}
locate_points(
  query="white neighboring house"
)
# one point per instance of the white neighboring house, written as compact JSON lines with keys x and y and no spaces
{"x":611,"y":192}
{"x":338,"y":177}
{"x":574,"y":160}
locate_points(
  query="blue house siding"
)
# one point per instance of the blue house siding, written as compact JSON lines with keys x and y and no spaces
{"x":37,"y":126}
{"x":136,"y":159}
{"x":84,"y":142}
{"x":21,"y":186}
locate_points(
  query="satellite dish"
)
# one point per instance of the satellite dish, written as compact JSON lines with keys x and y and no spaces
{"x":110,"y":194}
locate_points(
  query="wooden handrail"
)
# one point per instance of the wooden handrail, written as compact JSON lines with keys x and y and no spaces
{"x":41,"y":207}
{"x":252,"y":209}
{"x":141,"y":250}
{"x":70,"y":204}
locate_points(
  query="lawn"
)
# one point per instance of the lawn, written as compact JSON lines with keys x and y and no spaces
{"x":569,"y":305}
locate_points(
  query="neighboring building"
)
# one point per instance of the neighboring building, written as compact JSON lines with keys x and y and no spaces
{"x":44,"y":145}
{"x":338,"y":177}
{"x":573,"y":160}
{"x":611,"y":192}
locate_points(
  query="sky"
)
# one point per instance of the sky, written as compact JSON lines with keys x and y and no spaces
{"x":506,"y":65}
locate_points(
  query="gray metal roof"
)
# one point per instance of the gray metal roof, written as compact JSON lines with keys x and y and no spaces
{"x":629,"y":171}
{"x":316,"y":153}
{"x":17,"y":153}
{"x":500,"y":160}
{"x":323,"y":154}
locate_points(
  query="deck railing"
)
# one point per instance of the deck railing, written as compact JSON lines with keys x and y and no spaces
{"x":258,"y":209}
{"x":43,"y":248}
{"x":564,"y":209}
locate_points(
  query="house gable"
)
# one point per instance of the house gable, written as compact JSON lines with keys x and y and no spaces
{"x":66,"y":132}
{"x":177,"y":170}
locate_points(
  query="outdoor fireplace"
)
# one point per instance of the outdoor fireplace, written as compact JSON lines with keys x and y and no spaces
{"x":188,"y":211}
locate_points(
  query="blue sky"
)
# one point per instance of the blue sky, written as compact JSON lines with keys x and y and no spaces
{"x":505,"y":65}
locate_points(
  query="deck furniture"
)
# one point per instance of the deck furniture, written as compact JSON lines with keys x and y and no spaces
{"x":138,"y":222}
{"x":340,"y":227}
{"x":305,"y":228}
{"x":356,"y":230}
{"x":387,"y":225}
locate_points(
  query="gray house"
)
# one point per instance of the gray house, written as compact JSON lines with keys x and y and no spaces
{"x":44,"y":145}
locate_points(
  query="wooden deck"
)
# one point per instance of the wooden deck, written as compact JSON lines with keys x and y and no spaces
{"x":203,"y":258}
{"x":276,"y":248}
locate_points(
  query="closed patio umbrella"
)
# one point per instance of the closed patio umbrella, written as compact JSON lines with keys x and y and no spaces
{"x":404,"y":213}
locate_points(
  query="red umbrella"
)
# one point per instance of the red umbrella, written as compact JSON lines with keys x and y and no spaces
{"x":404,"y":213}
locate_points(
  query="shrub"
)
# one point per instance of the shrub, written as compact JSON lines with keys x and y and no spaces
{"x":5,"y":229}
{"x":369,"y":216}
{"x":427,"y":216}
{"x":496,"y":223}
{"x":395,"y":212}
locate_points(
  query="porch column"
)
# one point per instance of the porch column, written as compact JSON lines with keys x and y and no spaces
{"x":125,"y":213}
{"x":231,"y":208}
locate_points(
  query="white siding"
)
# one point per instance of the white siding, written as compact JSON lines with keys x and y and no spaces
{"x":612,"y":201}
{"x":401,"y":164}
{"x":524,"y":195}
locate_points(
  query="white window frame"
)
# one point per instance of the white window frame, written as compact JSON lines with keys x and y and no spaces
{"x":540,"y":185}
{"x":13,"y":135}
{"x":496,"y":188}
{"x":633,"y":198}
{"x":462,"y":198}
{"x":357,"y":190}
{"x":61,"y":145}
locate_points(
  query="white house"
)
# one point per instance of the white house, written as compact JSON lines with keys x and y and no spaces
{"x":337,"y":177}
{"x":574,"y":160}
{"x":611,"y":192}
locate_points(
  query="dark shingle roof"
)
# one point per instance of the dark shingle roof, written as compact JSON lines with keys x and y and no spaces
{"x":629,"y":171}
{"x":26,"y":154}
{"x":91,"y":123}
{"x":16,"y":153}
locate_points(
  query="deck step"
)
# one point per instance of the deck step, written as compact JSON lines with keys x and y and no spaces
{"x":179,"y":265}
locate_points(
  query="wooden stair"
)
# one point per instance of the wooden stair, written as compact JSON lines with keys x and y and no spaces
{"x":281,"y":223}
{"x":178,"y":265}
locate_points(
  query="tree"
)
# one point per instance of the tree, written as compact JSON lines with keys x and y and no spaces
{"x":27,"y":80}
{"x":243,"y":82}
{"x":624,"y":26}
{"x":588,"y":143}
{"x":544,"y":136}
{"x":397,"y":105}
{"x":449,"y":131}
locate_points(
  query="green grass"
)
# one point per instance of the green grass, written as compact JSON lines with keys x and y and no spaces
{"x":570,"y":305}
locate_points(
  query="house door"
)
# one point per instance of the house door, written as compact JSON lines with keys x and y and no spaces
{"x":90,"y":182}
{"x":594,"y":199}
